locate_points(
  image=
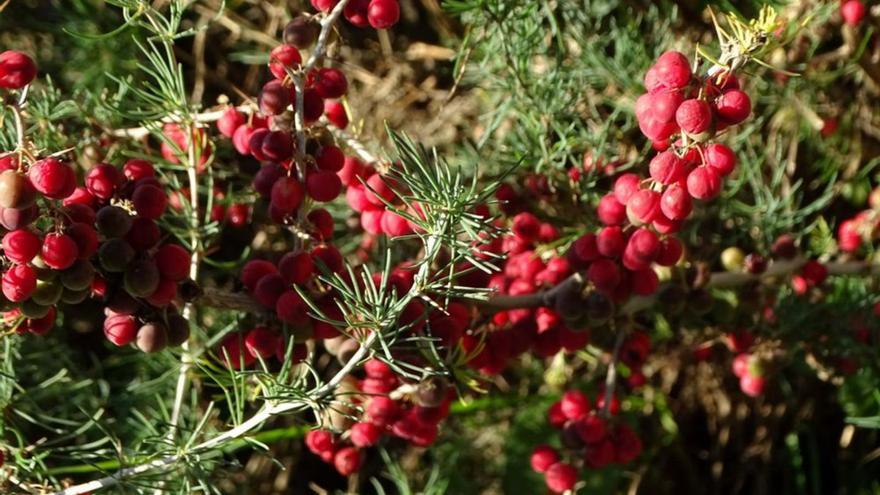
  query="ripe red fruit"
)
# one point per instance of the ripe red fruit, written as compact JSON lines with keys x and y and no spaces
{"x":351,"y":170}
{"x":694,"y":116}
{"x":356,"y":12}
{"x":233,"y":354}
{"x":18,"y":283}
{"x":575,"y":404}
{"x":604,"y":274}
{"x":336,"y":114}
{"x":591,"y":429}
{"x":102,"y":180}
{"x":323,"y":185}
{"x":241,"y":139}
{"x":59,"y":251}
{"x":382,"y":14}
{"x":672,"y":71}
{"x":329,"y":82}
{"x":667,"y":168}
{"x":324,"y":5}
{"x":313,"y":105}
{"x":610,"y":242}
{"x":283,"y":57}
{"x":229,"y":122}
{"x":53,"y":178}
{"x":543,"y":456}
{"x":625,"y":186}
{"x":670,"y":252}
{"x":254,"y":271}
{"x":266,"y":177}
{"x":268,"y":289}
{"x":274,"y":98}
{"x":643,"y":207}
{"x":276,"y":146}
{"x":329,"y":256}
{"x":371,"y":220}
{"x":585,"y":248}
{"x":21,"y":245}
{"x":296,"y":267}
{"x":17,"y":70}
{"x":394,"y":225}
{"x":526,"y":226}
{"x":261,"y":342}
{"x":144,"y":234}
{"x":120,"y":329}
{"x":377,"y":188}
{"x":848,"y":237}
{"x":675,"y":203}
{"x":173,"y":262}
{"x":752,"y":385}
{"x":644,"y":282}
{"x":610,"y":211}
{"x":704,"y":183}
{"x":721,"y":158}
{"x":347,"y":461}
{"x":322,"y":222}
{"x":733,"y":106}
{"x":627,"y":444}
{"x":814,"y":272}
{"x":330,"y":157}
{"x":365,"y":434}
{"x":291,"y":309}
{"x":149,"y":201}
{"x":852,"y":11}
{"x":287,"y":194}
{"x":560,"y":477}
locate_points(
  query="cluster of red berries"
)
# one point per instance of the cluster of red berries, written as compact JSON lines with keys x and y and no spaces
{"x":241,"y":350}
{"x":380,"y":14}
{"x":67,"y":243}
{"x":387,"y":408}
{"x":588,"y":437}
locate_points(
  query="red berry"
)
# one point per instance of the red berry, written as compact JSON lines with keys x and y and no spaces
{"x":670,"y":252}
{"x":643,"y":207}
{"x":330,"y":158}
{"x":21,"y":245}
{"x":667,"y":168}
{"x":241,"y":139}
{"x":329,"y":82}
{"x":329,"y":256}
{"x":323,"y":185}
{"x":672,"y":71}
{"x":149,"y":201}
{"x":347,"y":461}
{"x":610,"y":211}
{"x":351,"y":170}
{"x":38,"y":326}
{"x":102,"y":180}
{"x":704,"y":183}
{"x":291,"y":309}
{"x":591,"y":429}
{"x":266,"y":177}
{"x":336,"y":114}
{"x":694,"y":116}
{"x":120,"y":329}
{"x":324,"y":5}
{"x":644,"y":282}
{"x":585,"y":248}
{"x":543,"y":457}
{"x":268,"y":289}
{"x":296,"y":268}
{"x":720,"y":158}
{"x":575,"y":404}
{"x":356,"y":12}
{"x":144,"y":234}
{"x":287,"y":194}
{"x":526,"y":226}
{"x":17,"y":70}
{"x":752,"y":385}
{"x":19,"y":283}
{"x":560,"y":477}
{"x":233,"y":354}
{"x":253,"y":272}
{"x":59,"y":251}
{"x":848,"y":237}
{"x":382,"y":14}
{"x":394,"y":225}
{"x":283,"y":57}
{"x":371,"y":221}
{"x":378,"y":189}
{"x":625,"y":186}
{"x":627,"y":443}
{"x":365,"y":434}
{"x":274,"y":99}
{"x":173,"y":262}
{"x":53,"y":178}
{"x":604,"y":274}
{"x":675,"y":203}
{"x":261,"y":342}
{"x":853,"y":11}
{"x":814,"y":272}
{"x":610,"y":242}
{"x":230,"y":121}
{"x":643,"y":246}
{"x":323,"y":223}
{"x":733,"y":106}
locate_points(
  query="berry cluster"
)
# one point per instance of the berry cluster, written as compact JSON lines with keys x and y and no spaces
{"x":380,"y":14}
{"x":67,"y":243}
{"x":384,"y":407}
{"x":588,"y":437}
